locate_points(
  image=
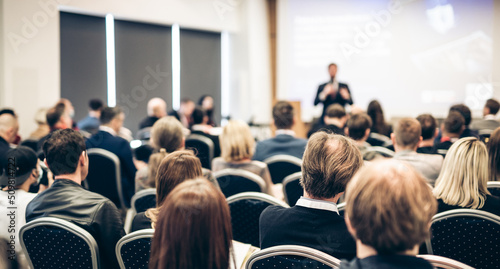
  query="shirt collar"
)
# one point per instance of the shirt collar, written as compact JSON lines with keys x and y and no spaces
{"x":286,"y":132}
{"x":107,"y":129}
{"x":490,"y":117}
{"x":317,"y":204}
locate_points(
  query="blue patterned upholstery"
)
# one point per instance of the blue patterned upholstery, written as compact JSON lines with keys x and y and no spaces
{"x":234,"y":181}
{"x":472,"y":240}
{"x":289,"y":262}
{"x":203,"y":147}
{"x":292,"y":190}
{"x":144,"y":203}
{"x":134,"y":249}
{"x":291,"y":257}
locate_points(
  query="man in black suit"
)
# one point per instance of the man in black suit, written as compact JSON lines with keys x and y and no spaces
{"x":329,"y":163}
{"x":332,"y":92}
{"x":107,"y":138}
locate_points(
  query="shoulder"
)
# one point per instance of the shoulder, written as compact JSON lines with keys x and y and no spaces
{"x":258,"y":164}
{"x":274,"y":211}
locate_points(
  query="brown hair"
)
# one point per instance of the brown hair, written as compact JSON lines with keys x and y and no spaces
{"x":174,"y":169}
{"x":493,"y":106}
{"x":358,"y":124}
{"x":335,"y":111}
{"x":193,"y":230}
{"x":390,"y":206}
{"x":236,"y":141}
{"x":428,"y":124}
{"x":407,"y":132}
{"x":283,"y":115}
{"x":329,"y":162}
{"x":454,"y":123}
{"x":167,"y":133}
{"x":494,"y":154}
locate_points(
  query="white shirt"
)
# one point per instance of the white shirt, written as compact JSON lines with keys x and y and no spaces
{"x":317,"y":204}
{"x":107,"y":129}
{"x":285,"y":131}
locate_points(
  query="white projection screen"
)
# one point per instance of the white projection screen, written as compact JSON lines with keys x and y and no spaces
{"x":413,"y":56}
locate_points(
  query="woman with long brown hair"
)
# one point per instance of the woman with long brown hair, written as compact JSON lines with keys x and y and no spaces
{"x":193,"y":229}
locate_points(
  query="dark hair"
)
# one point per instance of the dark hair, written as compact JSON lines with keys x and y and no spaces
{"x":454,"y":123}
{"x":493,"y":106}
{"x":185,"y":100}
{"x":109,"y":113}
{"x":143,"y":152}
{"x":95,"y":104}
{"x":494,"y":154}
{"x":358,"y":124}
{"x":54,"y":114}
{"x":193,"y":229}
{"x":428,"y":124}
{"x":377,"y":115}
{"x":283,"y":115}
{"x":464,"y":111}
{"x":330,"y":65}
{"x":202,"y":98}
{"x":62,"y":150}
{"x":335,"y":111}
{"x":8,"y":111}
{"x":198,"y":115}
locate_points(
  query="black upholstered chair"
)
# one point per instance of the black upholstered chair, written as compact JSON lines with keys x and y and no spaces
{"x":104,"y":176}
{"x":292,"y":189}
{"x":144,"y":134}
{"x":56,"y":243}
{"x":245,"y":213}
{"x":281,"y":166}
{"x":233,"y":181}
{"x":466,"y":235}
{"x":494,"y":187}
{"x":445,"y":263}
{"x":143,"y":200}
{"x":290,"y":256}
{"x":134,"y":249}
{"x":204,"y":148}
{"x":379,"y":140}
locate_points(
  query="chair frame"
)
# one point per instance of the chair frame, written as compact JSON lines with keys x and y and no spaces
{"x":256,"y":196}
{"x":283,"y":158}
{"x":382,"y":150}
{"x":493,"y":184}
{"x":145,"y":233}
{"x":443,"y":262}
{"x":143,"y":131}
{"x":302,"y":251}
{"x":66,"y":225}
{"x":241,"y":173}
{"x":116,"y":160}
{"x":287,"y":180}
{"x":461,"y":213}
{"x":140,"y":194}
{"x":207,"y":141}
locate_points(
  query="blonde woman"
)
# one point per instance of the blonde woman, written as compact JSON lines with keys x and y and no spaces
{"x":463,"y":177}
{"x":237,"y":148}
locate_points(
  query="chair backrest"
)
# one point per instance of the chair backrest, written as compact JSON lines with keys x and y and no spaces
{"x":292,"y":188}
{"x":290,"y":256}
{"x":245,"y":213}
{"x":56,"y":243}
{"x":494,"y":187}
{"x":233,"y":181}
{"x":144,"y":134}
{"x":204,"y":147}
{"x":466,"y":235}
{"x":281,"y":166}
{"x":104,"y":175}
{"x":445,"y":263}
{"x":384,"y":152}
{"x":143,"y":200}
{"x":379,"y":140}
{"x":133,"y":250}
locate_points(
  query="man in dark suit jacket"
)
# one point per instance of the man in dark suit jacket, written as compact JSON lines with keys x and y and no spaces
{"x":329,"y":162}
{"x":332,"y":92}
{"x":106,"y":138}
{"x":285,"y":141}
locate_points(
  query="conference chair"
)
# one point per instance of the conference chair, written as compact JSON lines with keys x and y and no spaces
{"x":291,"y":256}
{"x":204,"y":148}
{"x":292,"y":189}
{"x":444,"y":263}
{"x":467,"y":235}
{"x":104,"y":176}
{"x":372,"y":152}
{"x":281,"y":166}
{"x":484,"y":135}
{"x":144,"y":134}
{"x":56,"y":243}
{"x":133,"y":250}
{"x":494,"y":187}
{"x":141,"y":201}
{"x":379,"y":140}
{"x":245,"y":213}
{"x":233,"y":181}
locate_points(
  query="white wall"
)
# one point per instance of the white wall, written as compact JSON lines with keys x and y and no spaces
{"x":32,"y":58}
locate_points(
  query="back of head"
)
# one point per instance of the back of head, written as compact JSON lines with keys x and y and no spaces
{"x":464,"y":111}
{"x":376,"y":114}
{"x":236,"y":141}
{"x":358,"y":124}
{"x":329,"y":162}
{"x":494,"y":154}
{"x":109,"y":113}
{"x":54,"y":114}
{"x":95,"y":104}
{"x":25,"y":161}
{"x":407,"y":133}
{"x":428,"y":124}
{"x":193,"y":229}
{"x":464,"y":174}
{"x":335,"y":111}
{"x":454,"y":123}
{"x":157,"y":107}
{"x":198,"y":115}
{"x":493,"y":106}
{"x":8,"y":126}
{"x":390,"y":206}
{"x":62,"y":150}
{"x":143,"y":152}
{"x":283,"y":114}
{"x":167,"y":133}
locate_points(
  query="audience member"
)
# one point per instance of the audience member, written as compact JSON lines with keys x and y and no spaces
{"x":141,"y":155}
{"x":467,"y":114}
{"x":358,"y":128}
{"x":388,"y":231}
{"x":451,"y":129}
{"x":329,"y":163}
{"x":185,"y":112}
{"x":335,"y":120}
{"x":406,"y":137}
{"x":237,"y":148}
{"x":66,"y":199}
{"x":8,"y":132}
{"x":494,"y":155}
{"x":174,"y":169}
{"x":463,"y":178}
{"x":285,"y":142}
{"x":207,"y":103}
{"x":107,"y":138}
{"x":489,"y":121}
{"x":193,"y":229}
{"x":379,"y":126}
{"x":429,"y":133}
{"x":43,"y":128}
{"x":157,"y":108}
{"x":91,"y":123}
{"x":201,"y":127}
{"x":69,"y":110}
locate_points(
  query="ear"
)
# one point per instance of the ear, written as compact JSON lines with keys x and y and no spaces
{"x":183,"y":143}
{"x":83,"y":159}
{"x":393,"y":138}
{"x":420,"y":139}
{"x":367,"y":132}
{"x":346,"y":131}
{"x":45,"y":162}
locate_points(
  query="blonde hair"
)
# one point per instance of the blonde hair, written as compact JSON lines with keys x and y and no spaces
{"x":463,"y":177}
{"x":153,"y":164}
{"x":236,"y":141}
{"x":167,"y":133}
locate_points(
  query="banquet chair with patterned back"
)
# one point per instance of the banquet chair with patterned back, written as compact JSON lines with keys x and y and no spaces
{"x":134,"y":249}
{"x":290,"y":256}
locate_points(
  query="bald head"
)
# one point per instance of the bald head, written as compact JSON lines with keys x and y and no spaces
{"x":157,"y":108}
{"x":8,"y":127}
